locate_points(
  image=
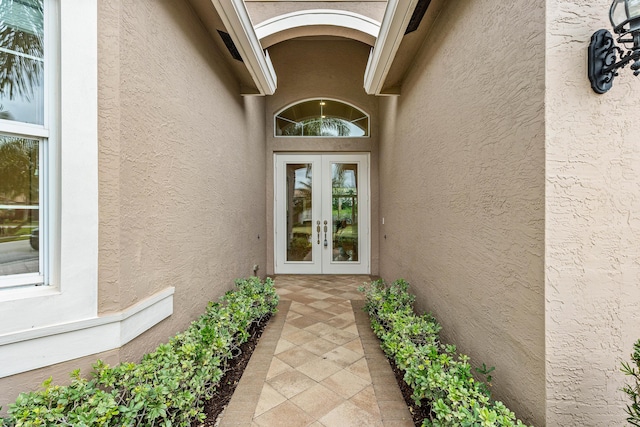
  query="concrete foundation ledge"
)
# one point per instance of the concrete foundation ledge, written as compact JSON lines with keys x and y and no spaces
{"x":26,"y":350}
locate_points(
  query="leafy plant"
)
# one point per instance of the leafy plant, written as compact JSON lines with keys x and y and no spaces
{"x":439,"y":376}
{"x":633,"y":390}
{"x":169,"y":386}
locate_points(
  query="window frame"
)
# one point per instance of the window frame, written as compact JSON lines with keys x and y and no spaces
{"x":69,"y":201}
{"x":46,"y":136}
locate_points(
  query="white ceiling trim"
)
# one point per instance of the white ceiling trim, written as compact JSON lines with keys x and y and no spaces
{"x":235,"y":18}
{"x":313,"y":17}
{"x":395,"y":21}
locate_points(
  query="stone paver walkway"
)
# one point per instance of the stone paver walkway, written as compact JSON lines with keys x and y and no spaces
{"x":318,"y":363}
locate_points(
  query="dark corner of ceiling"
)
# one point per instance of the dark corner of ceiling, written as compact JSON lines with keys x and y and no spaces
{"x":418,"y":14}
{"x":228,"y":42}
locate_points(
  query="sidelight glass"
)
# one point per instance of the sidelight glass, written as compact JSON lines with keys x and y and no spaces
{"x":299,"y":212}
{"x":344,"y":183}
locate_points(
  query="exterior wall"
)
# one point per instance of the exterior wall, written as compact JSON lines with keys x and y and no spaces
{"x":321,"y":68}
{"x":176,"y":145}
{"x":592,"y":224}
{"x":462,"y":190}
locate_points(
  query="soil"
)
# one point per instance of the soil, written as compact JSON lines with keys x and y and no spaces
{"x":419,"y":413}
{"x":235,"y":367}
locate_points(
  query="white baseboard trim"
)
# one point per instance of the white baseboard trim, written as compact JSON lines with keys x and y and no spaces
{"x":31,"y":349}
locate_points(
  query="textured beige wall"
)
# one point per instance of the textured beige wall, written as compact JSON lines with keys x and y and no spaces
{"x":462,"y":189}
{"x":592,"y":224}
{"x":182,"y":173}
{"x":321,"y":68}
{"x":177,"y":142}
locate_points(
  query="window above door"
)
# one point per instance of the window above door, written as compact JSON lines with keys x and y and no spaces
{"x":321,"y":117}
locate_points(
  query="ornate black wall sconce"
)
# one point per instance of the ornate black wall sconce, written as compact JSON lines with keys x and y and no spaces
{"x":605,"y":57}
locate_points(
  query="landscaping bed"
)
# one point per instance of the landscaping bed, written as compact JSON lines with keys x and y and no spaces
{"x":170,"y":386}
{"x":228,"y":383}
{"x":437,"y":382}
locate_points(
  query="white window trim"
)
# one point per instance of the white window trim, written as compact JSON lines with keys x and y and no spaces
{"x":43,"y":325}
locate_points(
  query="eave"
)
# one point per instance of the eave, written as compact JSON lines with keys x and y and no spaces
{"x":394,"y":51}
{"x":395,"y":21}
{"x":255,"y":71}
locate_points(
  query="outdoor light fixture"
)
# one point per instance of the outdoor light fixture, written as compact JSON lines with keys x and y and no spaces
{"x":605,"y":58}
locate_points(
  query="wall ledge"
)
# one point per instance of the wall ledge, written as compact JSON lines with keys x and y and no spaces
{"x":26,"y":350}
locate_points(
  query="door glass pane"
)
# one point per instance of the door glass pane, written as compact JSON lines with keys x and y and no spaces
{"x":344,"y":182}
{"x":19,"y":205}
{"x":22,"y":60}
{"x":299,"y":227}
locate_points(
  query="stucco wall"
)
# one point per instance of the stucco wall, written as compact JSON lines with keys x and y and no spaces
{"x":322,"y":68}
{"x":462,"y":189}
{"x":592,"y":224}
{"x":182,"y":173}
{"x":177,"y":144}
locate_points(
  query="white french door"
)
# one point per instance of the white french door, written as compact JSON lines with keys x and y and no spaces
{"x":322,"y":214}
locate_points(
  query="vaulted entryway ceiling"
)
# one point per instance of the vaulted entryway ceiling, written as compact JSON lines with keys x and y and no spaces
{"x":245,"y":30}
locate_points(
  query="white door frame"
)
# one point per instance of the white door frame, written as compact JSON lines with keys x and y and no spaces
{"x":321,"y":256}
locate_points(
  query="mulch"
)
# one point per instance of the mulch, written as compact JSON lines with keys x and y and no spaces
{"x":228,"y":383}
{"x":419,"y":413}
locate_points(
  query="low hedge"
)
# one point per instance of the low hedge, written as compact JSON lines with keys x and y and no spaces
{"x":169,"y":386}
{"x":439,"y":376}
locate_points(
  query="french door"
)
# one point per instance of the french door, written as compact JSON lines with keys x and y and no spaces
{"x":322,"y":214}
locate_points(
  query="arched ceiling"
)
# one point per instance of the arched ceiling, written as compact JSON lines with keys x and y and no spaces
{"x":394,"y":41}
{"x":318,"y":22}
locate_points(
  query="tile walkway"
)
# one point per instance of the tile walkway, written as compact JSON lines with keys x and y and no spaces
{"x":318,"y":363}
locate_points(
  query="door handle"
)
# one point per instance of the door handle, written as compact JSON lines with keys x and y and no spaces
{"x":326,"y":243}
{"x":318,"y":229}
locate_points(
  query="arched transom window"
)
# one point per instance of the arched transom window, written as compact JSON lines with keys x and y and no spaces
{"x":323,"y":118}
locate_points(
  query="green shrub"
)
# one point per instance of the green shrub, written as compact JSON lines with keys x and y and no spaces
{"x":169,"y":386}
{"x":633,"y":390}
{"x":439,"y":376}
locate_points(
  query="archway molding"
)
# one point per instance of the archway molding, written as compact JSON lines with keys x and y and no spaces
{"x":318,"y":22}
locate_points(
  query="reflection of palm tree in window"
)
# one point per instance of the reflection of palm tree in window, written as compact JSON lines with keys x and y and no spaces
{"x":18,"y":170}
{"x":323,"y":126}
{"x":4,"y":114}
{"x":21,"y":47}
{"x":19,"y":182}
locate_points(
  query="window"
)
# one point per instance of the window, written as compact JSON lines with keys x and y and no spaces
{"x":49,"y":190}
{"x":322,"y":118}
{"x":24,"y":136}
{"x":42,"y":325}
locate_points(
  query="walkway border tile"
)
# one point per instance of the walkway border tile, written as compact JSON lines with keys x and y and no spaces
{"x":244,"y":401}
{"x":393,"y":410}
{"x":392,"y":406}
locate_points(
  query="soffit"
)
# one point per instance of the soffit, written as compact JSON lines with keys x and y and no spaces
{"x":409,"y":47}
{"x":254,"y":73}
{"x":394,"y":51}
